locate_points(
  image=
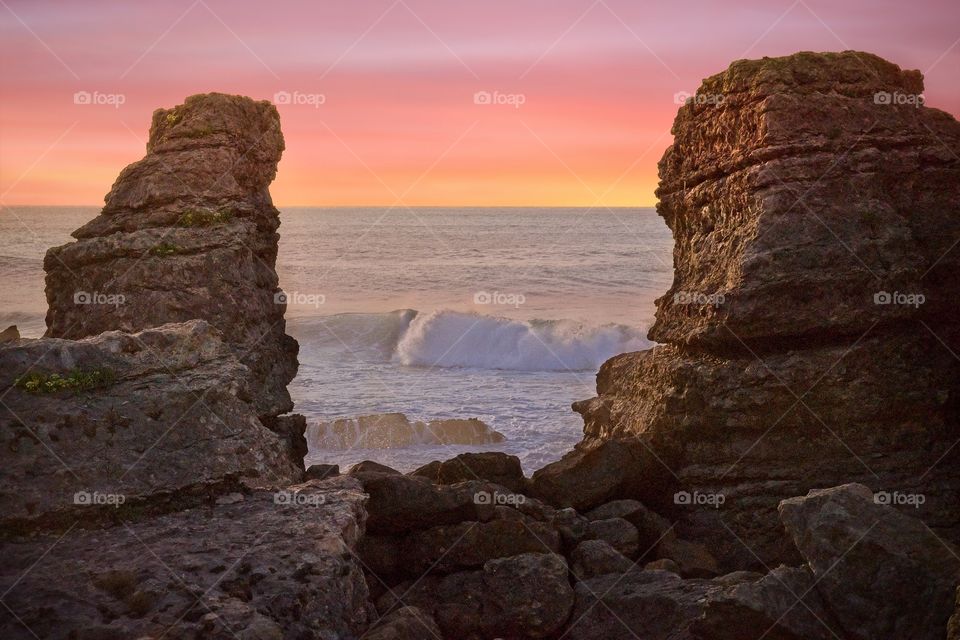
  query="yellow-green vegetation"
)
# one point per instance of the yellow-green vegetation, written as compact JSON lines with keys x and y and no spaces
{"x":165,"y":249}
{"x":174,"y":117}
{"x":77,"y":380}
{"x":204,"y":217}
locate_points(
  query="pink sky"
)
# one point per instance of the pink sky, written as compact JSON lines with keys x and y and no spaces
{"x":398,"y":124}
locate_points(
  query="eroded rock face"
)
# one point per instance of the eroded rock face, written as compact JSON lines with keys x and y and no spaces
{"x":810,"y":212}
{"x":188,"y":232}
{"x":882,"y":573}
{"x":254,"y":569}
{"x":156,"y":417}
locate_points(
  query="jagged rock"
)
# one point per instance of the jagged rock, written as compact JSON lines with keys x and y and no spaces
{"x":492,"y":466}
{"x":595,"y":473}
{"x":156,"y":419}
{"x":261,"y":568}
{"x":594,"y":558}
{"x":10,"y":334}
{"x":406,"y":623}
{"x":525,"y":596}
{"x":369,"y":466}
{"x":321,"y":471}
{"x":658,"y":605}
{"x":804,"y":207}
{"x":618,"y":533}
{"x":188,"y":232}
{"x":651,"y":527}
{"x":882,"y":573}
{"x":573,"y":527}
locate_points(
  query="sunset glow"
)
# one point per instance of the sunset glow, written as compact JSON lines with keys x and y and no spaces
{"x":382,"y":107}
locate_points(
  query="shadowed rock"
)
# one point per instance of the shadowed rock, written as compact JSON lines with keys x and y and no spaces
{"x":808,"y":337}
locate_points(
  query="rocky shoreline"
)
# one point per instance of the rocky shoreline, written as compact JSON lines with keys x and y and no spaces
{"x":780,"y":466}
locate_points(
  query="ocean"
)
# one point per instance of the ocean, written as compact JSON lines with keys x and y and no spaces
{"x":501,"y":314}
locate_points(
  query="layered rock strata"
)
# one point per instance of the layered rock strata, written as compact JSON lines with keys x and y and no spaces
{"x":188,"y":232}
{"x":808,"y":338}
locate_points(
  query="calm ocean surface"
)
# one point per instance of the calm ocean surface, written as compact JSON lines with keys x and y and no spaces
{"x":500,"y":314}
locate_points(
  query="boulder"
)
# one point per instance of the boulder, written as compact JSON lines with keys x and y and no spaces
{"x":468,"y":545}
{"x":271,"y":566}
{"x":882,"y":573}
{"x":196,"y":205}
{"x":321,"y":471}
{"x":158,"y":419}
{"x":369,"y":466}
{"x":393,"y":430}
{"x":492,"y":466}
{"x":525,"y":596}
{"x":618,"y":533}
{"x":807,"y":339}
{"x":664,"y":564}
{"x":10,"y":334}
{"x":598,"y":472}
{"x":593,"y":558}
{"x":399,"y":503}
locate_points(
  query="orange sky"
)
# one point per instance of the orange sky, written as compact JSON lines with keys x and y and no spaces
{"x":398,"y":123}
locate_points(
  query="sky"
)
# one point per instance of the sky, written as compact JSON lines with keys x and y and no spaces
{"x":416,"y":102}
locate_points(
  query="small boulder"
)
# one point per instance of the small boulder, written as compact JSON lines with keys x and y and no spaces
{"x":618,"y":533}
{"x":9,"y":334}
{"x":594,"y":558}
{"x":492,"y":466}
{"x":369,"y":466}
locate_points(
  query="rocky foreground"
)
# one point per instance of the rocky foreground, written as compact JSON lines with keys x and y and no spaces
{"x":780,"y":467}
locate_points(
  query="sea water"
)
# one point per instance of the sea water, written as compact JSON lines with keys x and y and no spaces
{"x":502,"y":314}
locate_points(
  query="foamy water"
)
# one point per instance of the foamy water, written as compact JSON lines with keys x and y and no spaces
{"x":499,"y":314}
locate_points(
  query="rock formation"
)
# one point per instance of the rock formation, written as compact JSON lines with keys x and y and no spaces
{"x":188,"y":232}
{"x":156,"y":417}
{"x":808,"y":339}
{"x":250,"y":568}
